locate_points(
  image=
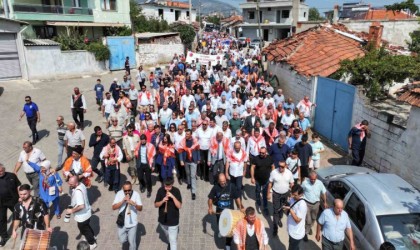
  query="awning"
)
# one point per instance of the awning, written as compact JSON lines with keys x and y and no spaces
{"x":85,"y":24}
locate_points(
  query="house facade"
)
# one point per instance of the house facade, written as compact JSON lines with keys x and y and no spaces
{"x":278,"y":19}
{"x":168,"y":10}
{"x":47,"y":18}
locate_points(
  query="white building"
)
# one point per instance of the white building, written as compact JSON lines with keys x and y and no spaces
{"x":168,"y":10}
{"x":278,"y":18}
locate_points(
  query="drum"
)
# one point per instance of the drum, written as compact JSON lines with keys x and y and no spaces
{"x":228,"y":220}
{"x":35,"y":240}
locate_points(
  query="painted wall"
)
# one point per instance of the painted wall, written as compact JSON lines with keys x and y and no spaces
{"x":396,"y":32}
{"x":270,"y":15}
{"x":120,"y":15}
{"x":49,"y":62}
{"x":150,"y":54}
{"x":153,"y":11}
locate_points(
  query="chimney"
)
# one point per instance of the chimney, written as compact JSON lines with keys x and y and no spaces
{"x":375,"y":34}
{"x":335,"y":15}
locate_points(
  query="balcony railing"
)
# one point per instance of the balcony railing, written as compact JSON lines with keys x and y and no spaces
{"x":52,"y":9}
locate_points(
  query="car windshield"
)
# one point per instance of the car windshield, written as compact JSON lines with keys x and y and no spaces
{"x":403,"y":230}
{"x":256,"y":40}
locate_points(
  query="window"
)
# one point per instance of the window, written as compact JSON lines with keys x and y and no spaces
{"x":285,"y":13}
{"x":160,"y":13}
{"x":45,"y":32}
{"x":172,"y":10}
{"x":76,"y":3}
{"x":251,"y":15}
{"x":338,"y":189}
{"x":356,"y":211}
{"x":109,"y":4}
{"x":399,"y":228}
{"x":304,"y":14}
{"x":268,"y":9}
{"x":188,"y":13}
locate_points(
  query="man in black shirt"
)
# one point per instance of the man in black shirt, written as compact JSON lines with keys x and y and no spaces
{"x":260,"y":173}
{"x":98,"y":141}
{"x":8,"y":198}
{"x":304,"y":150}
{"x":222,"y":196}
{"x":30,"y":212}
{"x":169,"y":201}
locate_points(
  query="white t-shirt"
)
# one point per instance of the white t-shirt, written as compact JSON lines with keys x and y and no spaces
{"x":204,"y":137}
{"x":36,"y":156}
{"x":108,"y":105}
{"x":178,"y":138}
{"x":165,"y":115}
{"x":297,"y":230}
{"x":281,"y":181}
{"x":130,"y":219}
{"x":79,"y":197}
{"x":236,"y":168}
{"x":291,"y":164}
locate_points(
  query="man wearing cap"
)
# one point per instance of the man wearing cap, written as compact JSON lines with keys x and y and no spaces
{"x":30,"y":109}
{"x":112,"y":155}
{"x":73,"y":138}
{"x":78,"y":165}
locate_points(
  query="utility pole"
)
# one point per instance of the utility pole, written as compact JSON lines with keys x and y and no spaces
{"x":259,"y":24}
{"x":190,"y":12}
{"x":199,"y":16}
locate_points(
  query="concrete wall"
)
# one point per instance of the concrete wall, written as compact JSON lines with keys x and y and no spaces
{"x":49,"y":62}
{"x":396,"y":32}
{"x":120,"y":15}
{"x":153,"y":12}
{"x":150,"y":54}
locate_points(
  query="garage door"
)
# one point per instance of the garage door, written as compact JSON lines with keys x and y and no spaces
{"x":9,"y":58}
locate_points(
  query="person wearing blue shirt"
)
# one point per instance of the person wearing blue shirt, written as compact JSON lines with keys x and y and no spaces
{"x":295,"y":138}
{"x":49,"y":185}
{"x":181,"y":66}
{"x":304,"y":123}
{"x":191,"y":116}
{"x":99,"y":90}
{"x":30,"y":109}
{"x":289,"y":104}
{"x":279,"y":151}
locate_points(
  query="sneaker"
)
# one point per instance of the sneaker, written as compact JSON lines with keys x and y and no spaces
{"x":310,"y":231}
{"x":93,"y":246}
{"x":305,"y":238}
{"x":3,"y":242}
{"x":280,"y":223}
{"x":193,"y":196}
{"x":188,"y":186}
{"x":100,"y":179}
{"x":142,"y":189}
{"x":149,"y":194}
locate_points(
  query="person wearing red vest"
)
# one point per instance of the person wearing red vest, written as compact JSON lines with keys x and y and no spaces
{"x":249,"y":233}
{"x":219,"y":147}
{"x":145,"y":153}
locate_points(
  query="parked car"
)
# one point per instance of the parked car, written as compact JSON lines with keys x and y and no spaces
{"x":382,"y":207}
{"x":255,"y":43}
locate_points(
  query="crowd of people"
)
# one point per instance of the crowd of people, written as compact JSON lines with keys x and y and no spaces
{"x":197,"y":123}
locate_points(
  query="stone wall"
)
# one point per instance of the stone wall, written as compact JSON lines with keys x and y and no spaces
{"x":49,"y":62}
{"x":151,"y":54}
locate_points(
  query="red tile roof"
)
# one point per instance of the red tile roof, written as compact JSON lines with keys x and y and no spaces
{"x":383,"y":14}
{"x":315,"y":52}
{"x":412,"y":96}
{"x":234,"y":18}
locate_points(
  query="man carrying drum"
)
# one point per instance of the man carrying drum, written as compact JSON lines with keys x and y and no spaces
{"x":222,"y":196}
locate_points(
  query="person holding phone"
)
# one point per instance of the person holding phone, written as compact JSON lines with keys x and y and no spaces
{"x":296,"y":217}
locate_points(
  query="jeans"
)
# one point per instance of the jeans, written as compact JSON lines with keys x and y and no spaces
{"x":171,"y":233}
{"x":129,"y":234}
{"x":78,"y":116}
{"x":294,"y":244}
{"x":191,"y":169}
{"x":60,"y":153}
{"x":279,"y":200}
{"x":87,"y":231}
{"x":3,"y":219}
{"x":55,"y":205}
{"x":144,"y":174}
{"x":33,"y":179}
{"x":258,"y":188}
{"x":112,"y":177}
{"x":236,"y":182}
{"x":358,"y":155}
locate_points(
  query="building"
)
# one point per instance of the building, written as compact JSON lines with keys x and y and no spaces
{"x":47,"y":18}
{"x":278,"y":18}
{"x":170,"y":11}
{"x":231,"y":24}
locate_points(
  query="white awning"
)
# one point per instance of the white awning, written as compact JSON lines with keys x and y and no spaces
{"x":85,"y":24}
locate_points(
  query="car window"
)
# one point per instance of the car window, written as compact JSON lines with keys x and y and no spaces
{"x":401,"y":230}
{"x":338,"y":189}
{"x":356,"y":211}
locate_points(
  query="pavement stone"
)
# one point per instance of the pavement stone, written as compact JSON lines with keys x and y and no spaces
{"x":53,"y":98}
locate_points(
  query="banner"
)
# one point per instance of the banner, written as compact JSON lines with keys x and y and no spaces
{"x":203,"y":59}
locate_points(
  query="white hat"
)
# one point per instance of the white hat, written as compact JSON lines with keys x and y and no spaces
{"x":46,"y":164}
{"x":115,"y":79}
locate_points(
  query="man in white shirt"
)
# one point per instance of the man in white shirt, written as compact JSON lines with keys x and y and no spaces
{"x":235,"y":166}
{"x":128,"y":201}
{"x":164,"y":114}
{"x":204,"y":134}
{"x":268,"y":99}
{"x":296,"y":217}
{"x":279,"y":97}
{"x":186,"y":100}
{"x":107,"y":105}
{"x":194,"y":74}
{"x":81,"y":209}
{"x":214,"y":102}
{"x":255,"y":142}
{"x":281,"y":181}
{"x":133,"y":95}
{"x":287,"y":119}
{"x":238,"y":138}
{"x":29,"y":153}
{"x":178,"y":137}
{"x":251,"y":102}
{"x":220,"y":117}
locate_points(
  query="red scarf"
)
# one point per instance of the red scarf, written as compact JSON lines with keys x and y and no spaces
{"x":113,"y":156}
{"x":236,"y":160}
{"x":148,"y":95}
{"x":167,"y":151}
{"x":257,"y":142}
{"x":272,"y":135}
{"x":189,"y":150}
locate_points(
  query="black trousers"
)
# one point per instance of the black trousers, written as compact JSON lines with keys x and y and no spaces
{"x":144,"y":174}
{"x":203,"y":169}
{"x":94,"y":164}
{"x":182,"y":175}
{"x":141,"y":83}
{"x":78,"y":116}
{"x":133,"y":107}
{"x":32,"y":125}
{"x":358,"y":155}
{"x":279,"y":200}
{"x":3,"y":219}
{"x":87,"y":231}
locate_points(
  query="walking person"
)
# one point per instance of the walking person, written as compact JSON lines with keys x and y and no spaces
{"x":61,"y":131}
{"x":112,"y":155}
{"x":169,"y":201}
{"x":217,"y":157}
{"x":260,"y":173}
{"x":296,"y":217}
{"x":33,"y":116}
{"x":98,"y":140}
{"x":129,"y":141}
{"x":335,"y":224}
{"x":304,"y":150}
{"x":9,"y":196}
{"x":99,"y":91}
{"x":249,"y":233}
{"x":357,"y":138}
{"x":204,"y":135}
{"x":127,"y":65}
{"x":73,"y":139}
{"x":128,"y":203}
{"x":189,"y":156}
{"x":313,"y":191}
{"x":235,"y":170}
{"x":33,"y":155}
{"x":141,"y":76}
{"x":166,"y":157}
{"x":78,"y":165}
{"x":145,"y":153}
{"x":78,"y":108}
{"x":80,"y":207}
{"x":281,"y":181}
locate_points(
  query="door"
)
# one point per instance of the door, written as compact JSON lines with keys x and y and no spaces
{"x":121,"y":47}
{"x":265,"y":32}
{"x":9,"y":57}
{"x":334,"y":110}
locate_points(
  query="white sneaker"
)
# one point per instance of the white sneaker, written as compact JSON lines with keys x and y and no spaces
{"x":93,"y":246}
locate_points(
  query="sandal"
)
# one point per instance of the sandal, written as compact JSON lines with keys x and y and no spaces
{"x":59,"y":216}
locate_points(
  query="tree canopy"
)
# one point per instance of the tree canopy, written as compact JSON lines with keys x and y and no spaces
{"x":314,"y":15}
{"x":186,"y":33}
{"x":404,"y":5}
{"x":141,"y":23}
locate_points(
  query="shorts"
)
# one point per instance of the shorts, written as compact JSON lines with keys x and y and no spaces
{"x":314,"y":164}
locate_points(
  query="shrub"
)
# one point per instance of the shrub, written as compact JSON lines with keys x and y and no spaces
{"x":100,"y":51}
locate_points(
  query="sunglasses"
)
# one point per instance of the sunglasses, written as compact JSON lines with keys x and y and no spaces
{"x":127,"y":191}
{"x":27,"y":100}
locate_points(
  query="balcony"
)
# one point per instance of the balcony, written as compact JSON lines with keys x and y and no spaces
{"x":43,"y":12}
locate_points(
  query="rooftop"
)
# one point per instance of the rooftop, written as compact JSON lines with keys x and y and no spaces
{"x":317,"y":51}
{"x":412,"y":96}
{"x":383,"y":14}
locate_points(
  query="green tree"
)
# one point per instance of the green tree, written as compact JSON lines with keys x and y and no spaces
{"x":404,"y":5}
{"x":314,"y":15}
{"x":414,"y":45}
{"x":214,"y":20}
{"x":377,"y":70}
{"x":186,"y":32}
{"x":141,"y":23}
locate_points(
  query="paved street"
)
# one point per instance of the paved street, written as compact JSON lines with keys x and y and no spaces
{"x":53,"y":98}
